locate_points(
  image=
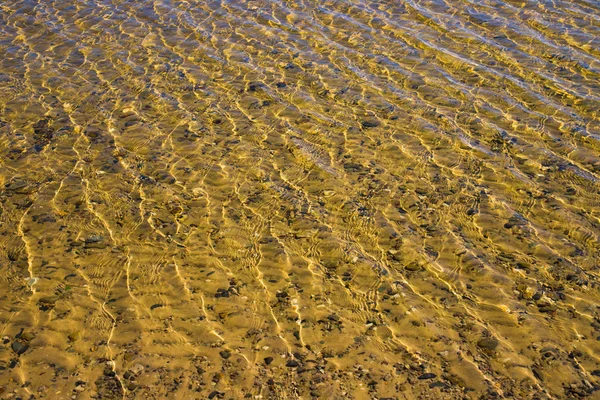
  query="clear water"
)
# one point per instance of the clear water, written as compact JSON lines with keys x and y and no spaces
{"x":299,"y":199}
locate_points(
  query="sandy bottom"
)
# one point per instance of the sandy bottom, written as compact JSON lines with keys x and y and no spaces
{"x":299,"y":199}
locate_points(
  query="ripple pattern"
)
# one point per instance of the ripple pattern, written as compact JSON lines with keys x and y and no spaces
{"x":342,"y":199}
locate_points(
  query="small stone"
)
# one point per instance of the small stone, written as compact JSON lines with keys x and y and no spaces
{"x":47,"y":303}
{"x":225,"y":354}
{"x":538,"y":373}
{"x":334,"y":317}
{"x":439,"y":384}
{"x":253,"y":87}
{"x":370,"y":123}
{"x":108,"y":371}
{"x":428,"y":375}
{"x":94,"y":239}
{"x":268,"y":360}
{"x":292,"y":364}
{"x":32,"y":281}
{"x":19,"y":347}
{"x":413,"y":266}
{"x":488,"y":344}
{"x":352,"y":167}
{"x":547,"y":308}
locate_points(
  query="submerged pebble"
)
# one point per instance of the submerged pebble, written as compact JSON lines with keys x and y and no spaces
{"x":19,"y":348}
{"x":32,"y":281}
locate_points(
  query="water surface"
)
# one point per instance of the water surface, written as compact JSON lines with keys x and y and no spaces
{"x":299,"y":199}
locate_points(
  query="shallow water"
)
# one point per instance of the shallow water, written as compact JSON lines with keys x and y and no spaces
{"x":299,"y":199}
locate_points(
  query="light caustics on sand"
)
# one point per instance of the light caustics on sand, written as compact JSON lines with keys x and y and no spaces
{"x":299,"y":199}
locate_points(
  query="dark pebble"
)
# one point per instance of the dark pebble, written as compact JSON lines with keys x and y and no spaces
{"x":255,"y":86}
{"x":334,"y":317}
{"x":292,"y":364}
{"x":538,"y":373}
{"x":268,"y":360}
{"x":216,"y":394}
{"x":94,"y":239}
{"x":352,"y":167}
{"x":439,"y":384}
{"x":19,"y":347}
{"x":225,"y":354}
{"x":547,"y":308}
{"x":108,"y":371}
{"x":575,"y":353}
{"x":428,"y":375}
{"x":370,"y":124}
{"x":413,"y":266}
{"x":488,"y":344}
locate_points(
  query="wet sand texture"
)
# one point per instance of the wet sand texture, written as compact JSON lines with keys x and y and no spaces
{"x":299,"y":199}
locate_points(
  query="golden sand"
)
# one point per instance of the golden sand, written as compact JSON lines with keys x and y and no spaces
{"x":299,"y":199}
